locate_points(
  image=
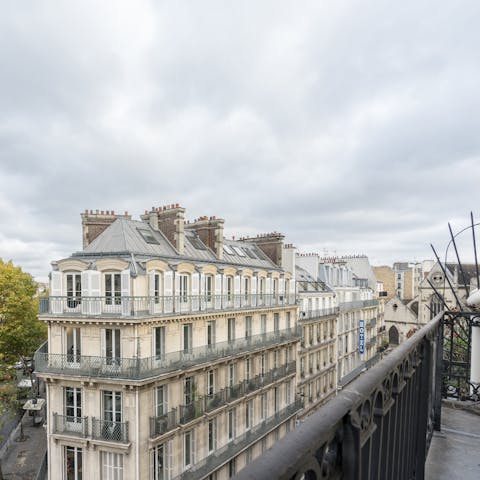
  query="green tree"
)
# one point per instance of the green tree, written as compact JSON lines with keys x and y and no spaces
{"x":20,"y":330}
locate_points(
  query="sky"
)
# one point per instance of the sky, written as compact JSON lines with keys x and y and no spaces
{"x":349,"y":126}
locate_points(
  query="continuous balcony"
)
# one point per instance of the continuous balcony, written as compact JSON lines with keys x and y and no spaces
{"x":207,"y":403}
{"x":142,"y":368}
{"x":222,"y":455}
{"x":66,"y":425}
{"x":358,"y":304}
{"x":159,"y":306}
{"x":314,"y":314}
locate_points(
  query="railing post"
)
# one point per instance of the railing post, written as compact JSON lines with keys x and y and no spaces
{"x":437,"y":400}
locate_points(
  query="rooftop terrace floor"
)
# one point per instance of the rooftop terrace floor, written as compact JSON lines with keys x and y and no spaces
{"x":455,"y":451}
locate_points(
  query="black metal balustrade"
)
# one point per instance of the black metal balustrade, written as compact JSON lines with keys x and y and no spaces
{"x":312,"y":314}
{"x":128,"y":306}
{"x":64,"y":424}
{"x":141,"y":368}
{"x":223,"y":454}
{"x":207,"y":403}
{"x":110,"y":430}
{"x":378,"y":427}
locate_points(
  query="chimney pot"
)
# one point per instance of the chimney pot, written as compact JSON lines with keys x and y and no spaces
{"x":86,"y":210}
{"x":126,"y":213}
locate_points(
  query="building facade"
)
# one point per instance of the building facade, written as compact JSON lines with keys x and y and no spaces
{"x":171,"y":350}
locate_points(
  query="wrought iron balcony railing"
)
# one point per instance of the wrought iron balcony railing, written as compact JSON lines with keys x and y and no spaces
{"x":109,"y":430}
{"x":64,"y":424}
{"x":207,"y":403}
{"x":378,"y":426}
{"x":141,"y":368}
{"x":325,"y":312}
{"x":158,"y":306}
{"x":222,"y":455}
{"x":358,"y":304}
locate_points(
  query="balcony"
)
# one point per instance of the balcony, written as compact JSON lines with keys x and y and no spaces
{"x":230,"y":450}
{"x":142,"y":368}
{"x":358,"y":304}
{"x":157,"y":306}
{"x":109,"y":431}
{"x":65,"y":425}
{"x":207,"y":403}
{"x":313,"y":314}
{"x":384,"y":419}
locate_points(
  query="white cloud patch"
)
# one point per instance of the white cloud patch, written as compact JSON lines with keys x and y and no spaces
{"x":349,"y":126}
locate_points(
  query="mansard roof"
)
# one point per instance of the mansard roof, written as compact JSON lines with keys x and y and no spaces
{"x":127,"y":238}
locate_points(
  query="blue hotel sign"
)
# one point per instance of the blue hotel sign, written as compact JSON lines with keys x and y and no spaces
{"x":361,"y":338}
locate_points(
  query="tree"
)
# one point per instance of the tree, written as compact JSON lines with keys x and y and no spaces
{"x":20,"y":330}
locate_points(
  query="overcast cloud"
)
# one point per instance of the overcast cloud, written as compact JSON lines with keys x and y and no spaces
{"x":350,"y":126}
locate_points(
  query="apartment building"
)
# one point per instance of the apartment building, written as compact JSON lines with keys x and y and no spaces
{"x":171,"y":350}
{"x":317,"y":358}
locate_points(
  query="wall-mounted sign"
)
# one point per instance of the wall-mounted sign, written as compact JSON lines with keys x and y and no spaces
{"x":361,"y":338}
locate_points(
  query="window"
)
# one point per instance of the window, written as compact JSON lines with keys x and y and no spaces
{"x":263,"y":406}
{"x":249,"y":415}
{"x":231,"y":423}
{"x":159,"y":342}
{"x":276,"y":399}
{"x":276,"y":322}
{"x":113,"y":290}
{"x":287,"y":393}
{"x":112,"y":466}
{"x":74,"y":289}
{"x":162,"y":461}
{"x":112,"y":346}
{"x":210,"y":382}
{"x":112,"y":415}
{"x":263,"y":365}
{"x":161,"y":400}
{"x":288,"y":321}
{"x":310,"y":334}
{"x":231,"y":329}
{"x":156,"y":287}
{"x":263,"y":324}
{"x":188,"y":449}
{"x":261,"y":287}
{"x":73,"y":409}
{"x":187,"y":337}
{"x":208,"y":287}
{"x":212,"y":435}
{"x":232,"y":467}
{"x":188,"y":389}
{"x":74,"y":350}
{"x":231,"y":374}
{"x":275,"y":359}
{"x":229,"y":288}
{"x":246,"y":287}
{"x":211,"y":333}
{"x":148,"y":236}
{"x":73,"y":467}
{"x":248,"y":327}
{"x":183,"y":288}
{"x":248,"y":368}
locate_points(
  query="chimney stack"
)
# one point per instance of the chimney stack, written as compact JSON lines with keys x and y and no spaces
{"x":271,"y":245}
{"x":96,"y":222}
{"x":170,"y":220}
{"x":210,"y":231}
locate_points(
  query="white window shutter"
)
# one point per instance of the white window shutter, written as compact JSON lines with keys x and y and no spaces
{"x":254,"y":285}
{"x":203,"y":286}
{"x":56,"y":284}
{"x":177,"y":284}
{"x":281,"y":286}
{"x":195,"y":283}
{"x":151,"y":283}
{"x":56,"y":291}
{"x":237,"y":285}
{"x":125,"y":291}
{"x":95,"y":304}
{"x":169,"y":460}
{"x":218,"y":284}
{"x":85,"y":279}
{"x":268,"y":286}
{"x":168,"y":291}
{"x":194,"y":447}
